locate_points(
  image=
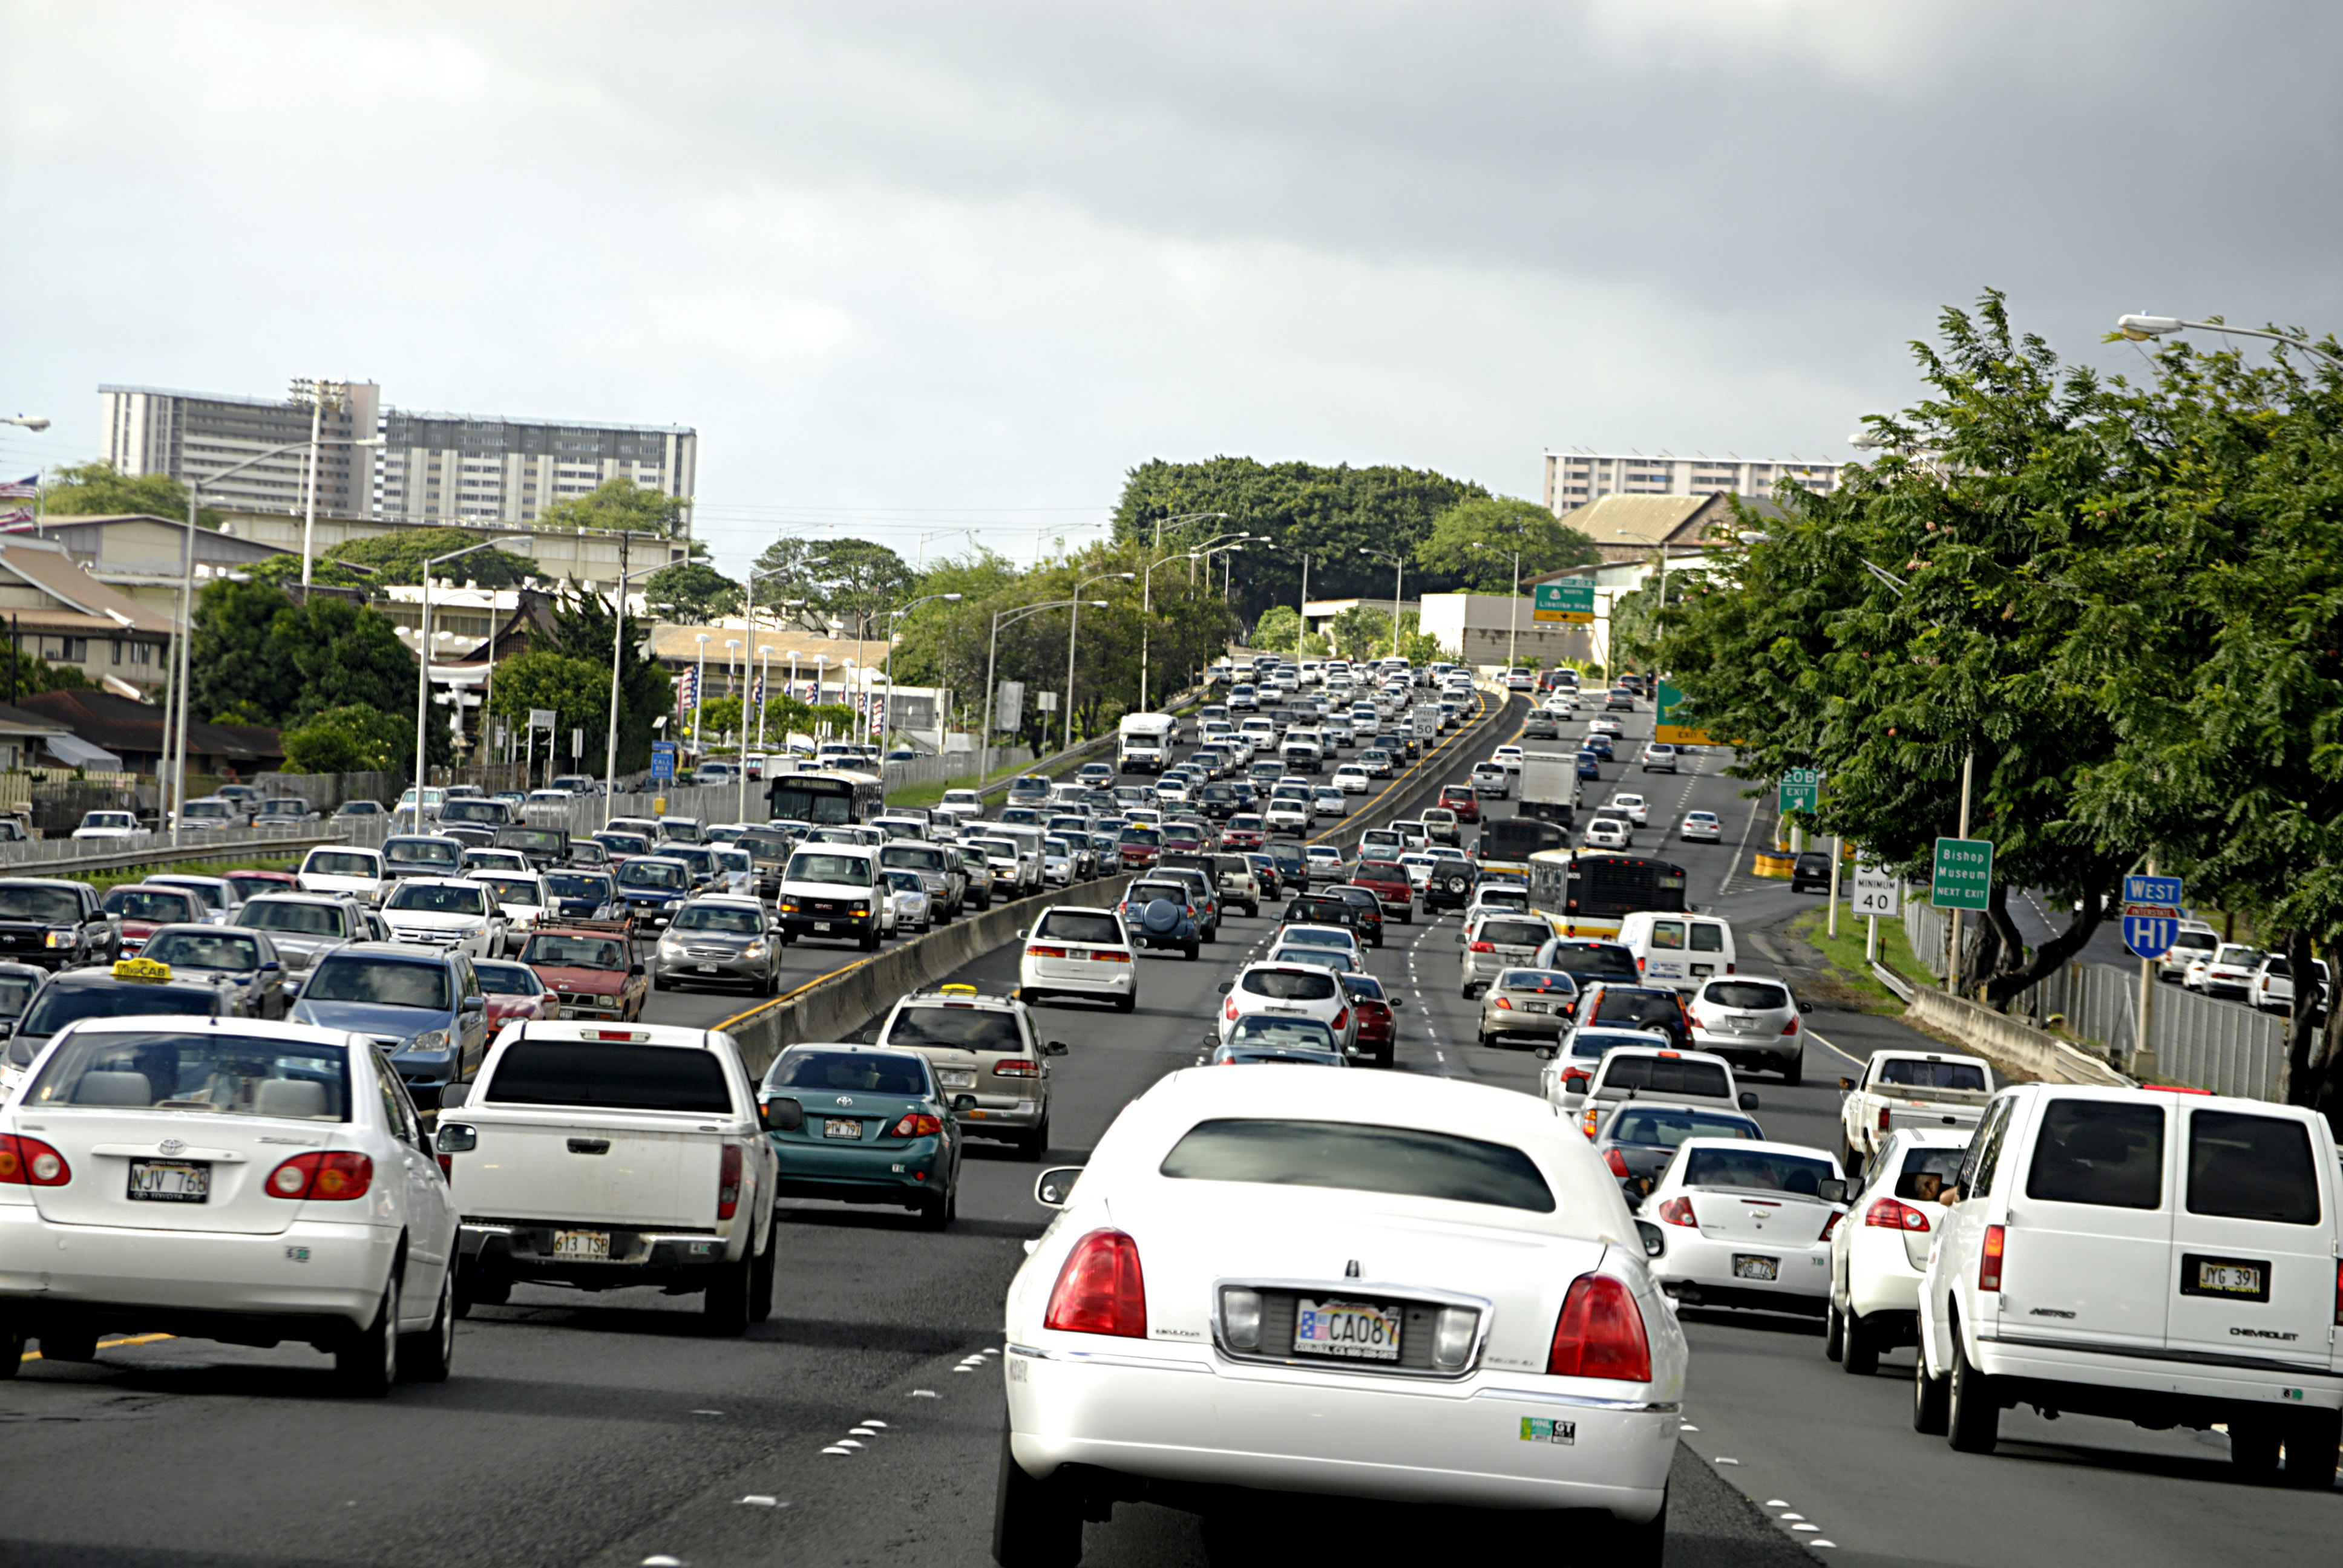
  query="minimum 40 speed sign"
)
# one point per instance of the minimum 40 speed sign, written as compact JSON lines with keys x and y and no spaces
{"x":1877,"y":893}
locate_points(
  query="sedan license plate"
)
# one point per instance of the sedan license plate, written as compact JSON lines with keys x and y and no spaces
{"x":958,"y":1079}
{"x":170,"y":1182}
{"x":1747,"y":1266}
{"x":1537,"y":1007}
{"x":841,"y":1127}
{"x":1352,"y":1331}
{"x":582,"y":1246}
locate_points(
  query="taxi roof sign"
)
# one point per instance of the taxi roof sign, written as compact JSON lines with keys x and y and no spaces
{"x":147,"y":971}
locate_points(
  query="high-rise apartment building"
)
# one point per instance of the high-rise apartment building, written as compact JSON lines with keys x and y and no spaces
{"x":198,"y":435}
{"x":1575,"y":478}
{"x":430,"y":467}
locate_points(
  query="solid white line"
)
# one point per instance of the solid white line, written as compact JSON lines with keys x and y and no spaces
{"x":1747,"y":828}
{"x":1834,"y":1050}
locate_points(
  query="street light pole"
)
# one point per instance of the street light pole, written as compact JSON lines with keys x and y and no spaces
{"x":887,"y":724}
{"x":2140,"y":328}
{"x":423,"y":667}
{"x":991,"y":664}
{"x":1399,"y":576}
{"x":1073,"y":630}
{"x":617,"y":647}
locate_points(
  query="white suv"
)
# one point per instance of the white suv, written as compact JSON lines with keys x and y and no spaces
{"x":1880,"y":1250}
{"x":1289,"y":990}
{"x":1078,"y":952}
{"x":444,"y":912}
{"x":2162,"y":1257}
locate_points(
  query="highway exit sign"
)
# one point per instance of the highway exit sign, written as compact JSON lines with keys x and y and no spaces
{"x":1572,"y":600}
{"x":1962,"y":878}
{"x":1801,"y":789}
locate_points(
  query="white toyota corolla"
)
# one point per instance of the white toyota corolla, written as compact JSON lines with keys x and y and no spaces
{"x":1360,"y":1285}
{"x":244,"y":1182}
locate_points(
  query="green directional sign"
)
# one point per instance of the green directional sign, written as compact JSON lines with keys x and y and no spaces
{"x":1801,"y":789}
{"x":1571,"y":599}
{"x":1963,"y":874}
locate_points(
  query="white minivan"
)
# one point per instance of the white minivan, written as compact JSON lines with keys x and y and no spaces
{"x":1679,"y":951}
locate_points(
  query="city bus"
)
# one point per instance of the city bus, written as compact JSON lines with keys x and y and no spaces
{"x":1587,"y":893}
{"x":826,"y":799}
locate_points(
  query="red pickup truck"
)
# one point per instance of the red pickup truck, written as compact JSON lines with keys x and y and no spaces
{"x":1387,"y":880}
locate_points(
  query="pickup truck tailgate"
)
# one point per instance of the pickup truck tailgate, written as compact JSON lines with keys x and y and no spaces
{"x":1929,"y":1114}
{"x":642,"y":1169}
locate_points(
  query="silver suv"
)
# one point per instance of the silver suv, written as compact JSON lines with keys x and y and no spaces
{"x":1497,"y":940}
{"x":994,"y":1073}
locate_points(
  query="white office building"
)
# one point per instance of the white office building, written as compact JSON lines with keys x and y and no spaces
{"x":198,"y":435}
{"x":1576,"y":479}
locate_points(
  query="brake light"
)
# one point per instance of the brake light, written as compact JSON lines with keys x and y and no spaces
{"x":727,"y":1182}
{"x":1230,"y":1011}
{"x":1639,"y":965}
{"x":1342,"y":1019}
{"x":1791,"y":1027}
{"x":1484,"y":947}
{"x":1693,"y":1019}
{"x":918,"y":1124}
{"x":1101,"y":1290}
{"x":334,"y":1176}
{"x":1045,"y":952}
{"x":1667,"y":1053}
{"x":29,"y":1162}
{"x":1677,"y":1211}
{"x":1016,"y":1067}
{"x":1504,"y":1004}
{"x":1829,"y":1225}
{"x":1571,"y":1075}
{"x":1883,"y":1119}
{"x":2339,"y":1292}
{"x":1618,"y":1163}
{"x":1888,"y":1215}
{"x":1600,"y":1334}
{"x":1589,"y":1127}
{"x":1990,"y":1262}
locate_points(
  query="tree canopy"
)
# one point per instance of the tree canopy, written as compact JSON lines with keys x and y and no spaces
{"x":397,"y":557}
{"x":100,"y":489}
{"x":1474,"y":543}
{"x":617,"y":506}
{"x":260,"y":658}
{"x":855,"y":581}
{"x":691,"y":591}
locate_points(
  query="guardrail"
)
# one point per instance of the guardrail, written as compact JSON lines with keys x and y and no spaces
{"x":230,"y":844}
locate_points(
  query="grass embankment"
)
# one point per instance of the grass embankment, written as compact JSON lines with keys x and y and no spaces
{"x":106,"y":880}
{"x":1842,"y":956}
{"x":929,"y":794}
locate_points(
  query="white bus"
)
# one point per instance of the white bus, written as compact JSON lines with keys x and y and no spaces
{"x":1144,"y":741}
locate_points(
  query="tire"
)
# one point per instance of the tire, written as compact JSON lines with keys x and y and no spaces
{"x":1973,"y":1418}
{"x":1833,"y":1333}
{"x":1928,"y":1399}
{"x":760,"y":1277}
{"x":1794,"y":1072}
{"x":1859,"y":1354}
{"x":724,"y":1311}
{"x":1035,"y":1523}
{"x":76,"y":1345}
{"x":367,"y":1362}
{"x":2254,"y":1444}
{"x":1126,"y":1002}
{"x":1465,"y":991}
{"x":1639,"y":1545}
{"x":12,"y":1348}
{"x":659,"y":983}
{"x":1190,"y":949}
{"x":933,"y":1211}
{"x":870,"y":941}
{"x":426,"y":1357}
{"x":1035,"y":1145}
{"x":2314,"y":1441}
{"x":1407,"y":917}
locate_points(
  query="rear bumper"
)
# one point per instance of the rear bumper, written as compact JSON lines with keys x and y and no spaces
{"x":1190,"y":1422}
{"x":523,"y":1249}
{"x":110,"y":1277}
{"x":1738,"y":1049}
{"x":1065,"y":978}
{"x":1545,"y":1025}
{"x":1699,"y":1269}
{"x":2089,"y":1382}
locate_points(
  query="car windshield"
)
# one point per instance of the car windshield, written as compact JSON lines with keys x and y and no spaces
{"x":1288,"y":985}
{"x":152,"y":904}
{"x":657,"y":876}
{"x":1757,"y":1170}
{"x":842,"y":870}
{"x":423,"y":852}
{"x":204,"y":949}
{"x":610,"y":1076}
{"x":514,"y":890}
{"x":292,"y":918}
{"x":944,"y":1023}
{"x":1665,"y":1126}
{"x":59,"y":1005}
{"x":438,"y":898}
{"x":211,"y":1072}
{"x":1349,"y":1156}
{"x":555,"y":950}
{"x":854,"y":1071}
{"x":57,"y":906}
{"x":342,"y":863}
{"x":579,"y":885}
{"x":721,"y":918}
{"x":381,"y":980}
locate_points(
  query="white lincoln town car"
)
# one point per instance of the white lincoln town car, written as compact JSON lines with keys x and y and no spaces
{"x":1356,"y":1285}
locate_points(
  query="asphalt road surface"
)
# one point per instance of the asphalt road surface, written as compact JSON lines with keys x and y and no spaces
{"x":608,"y":1430}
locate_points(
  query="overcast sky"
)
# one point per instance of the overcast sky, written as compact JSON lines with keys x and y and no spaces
{"x":911,"y":266}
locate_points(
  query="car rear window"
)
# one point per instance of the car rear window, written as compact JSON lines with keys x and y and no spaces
{"x":2244,"y":1167}
{"x":1404,"y":1161}
{"x":1514,"y":933}
{"x":2099,"y":1153}
{"x":965,"y":1028}
{"x":1288,"y":985}
{"x":1538,"y":980}
{"x":1746,"y":994}
{"x":612,"y":1077}
{"x":1637,"y":1007}
{"x":1668,"y":1075}
{"x":1080,"y":926}
{"x":212,"y":1072}
{"x":1379,"y":871}
{"x":1707,"y":939}
{"x":1591,"y":962}
{"x":1757,"y":1170}
{"x":1933,"y":1074}
{"x":843,"y":1072}
{"x":1942,"y":1165}
{"x":1668,"y":1127}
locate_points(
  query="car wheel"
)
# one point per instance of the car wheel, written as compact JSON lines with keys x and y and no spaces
{"x":870,"y":941}
{"x":12,"y":1348}
{"x":366,"y":1363}
{"x":1190,"y":949}
{"x":1035,"y":1523}
{"x":1859,"y":1354}
{"x":1794,"y":1071}
{"x":1639,"y":1546}
{"x":760,"y":1277}
{"x":426,"y":1357}
{"x":1036,"y":1143}
{"x":659,"y":983}
{"x":1833,"y":1333}
{"x":1972,"y":1415}
{"x":1928,"y":1399}
{"x":76,"y":1345}
{"x":1126,"y":1002}
{"x":932,"y":1211}
{"x":2314,"y":1440}
{"x":724,"y":1311}
{"x":2254,"y":1445}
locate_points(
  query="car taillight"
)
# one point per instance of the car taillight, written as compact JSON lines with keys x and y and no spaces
{"x":29,"y":1162}
{"x":1099,"y":1291}
{"x":1588,"y":1126}
{"x":1883,"y":1119}
{"x":1045,"y":952}
{"x":727,"y":1182}
{"x":1791,"y":1027}
{"x":1230,"y":1011}
{"x":2338,"y":1294}
{"x":1484,"y":947}
{"x":1887,"y":1214}
{"x":1504,"y":1004}
{"x":1016,"y":1067}
{"x":1571,"y":1075}
{"x":1829,"y":1225}
{"x":1677,"y":1211}
{"x":1342,"y":1019}
{"x":335,"y":1176}
{"x":918,"y":1124}
{"x":1618,"y":1163}
{"x":1600,"y":1334}
{"x":1639,"y":964}
{"x":1693,"y":1019}
{"x":1989,"y":1262}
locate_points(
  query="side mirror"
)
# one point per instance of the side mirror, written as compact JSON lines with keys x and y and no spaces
{"x":1805,"y":1007}
{"x":1055,"y":1189}
{"x":1547,"y":1052}
{"x":7,"y":1028}
{"x":1655,"y":1241}
{"x":1225,"y":987}
{"x":455,"y":1137}
{"x":1748,"y":1100}
{"x":783,"y":1115}
{"x":454,"y":1096}
{"x":1832,"y":1190}
{"x":1053,"y":1048}
{"x":475,"y":1004}
{"x":963,"y":1102}
{"x":1398,"y":1002}
{"x":1846,"y":1084}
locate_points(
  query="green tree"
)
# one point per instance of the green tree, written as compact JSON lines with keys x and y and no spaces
{"x":577,"y":691}
{"x":398,"y":558}
{"x":1362,"y":631}
{"x":100,"y":489}
{"x":25,"y":675}
{"x":584,"y":626}
{"x":855,"y":581}
{"x":617,"y":506}
{"x":260,"y":658}
{"x":1474,"y":544}
{"x":692,"y":592}
{"x":348,"y":740}
{"x":1279,"y":630}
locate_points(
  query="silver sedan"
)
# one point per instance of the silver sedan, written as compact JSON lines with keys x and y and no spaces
{"x":1527,"y":1005}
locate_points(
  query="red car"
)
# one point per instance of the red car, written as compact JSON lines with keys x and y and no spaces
{"x":252,"y":884}
{"x":141,"y":908}
{"x":1387,"y":880}
{"x":1246,"y":831}
{"x":1377,"y":1025}
{"x":1460,"y":799}
{"x":1139,"y":847}
{"x":515,"y":991}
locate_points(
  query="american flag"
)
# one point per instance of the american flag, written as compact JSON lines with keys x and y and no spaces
{"x":23,"y":489}
{"x":19,"y":518}
{"x":686,"y":690}
{"x":756,"y":694}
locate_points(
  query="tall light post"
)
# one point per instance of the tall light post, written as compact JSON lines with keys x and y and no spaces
{"x":742,"y":814}
{"x":422,"y":668}
{"x":2140,"y":328}
{"x":618,"y":648}
{"x":1073,"y":630}
{"x":1147,"y":618}
{"x":887,"y":713}
{"x":991,"y":662}
{"x":1399,"y":576}
{"x":1513,"y":606}
{"x":320,"y":395}
{"x":1183,"y":517}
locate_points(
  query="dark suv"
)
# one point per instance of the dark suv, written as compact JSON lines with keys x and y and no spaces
{"x":1813,"y":870}
{"x":55,"y":924}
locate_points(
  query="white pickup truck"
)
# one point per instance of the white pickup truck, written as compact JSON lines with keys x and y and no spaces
{"x":118,"y":830}
{"x":602,"y":1156}
{"x":1924,"y":1089}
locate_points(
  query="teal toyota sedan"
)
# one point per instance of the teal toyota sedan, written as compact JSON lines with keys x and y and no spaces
{"x":862,"y":1125}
